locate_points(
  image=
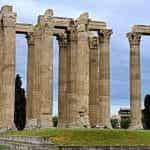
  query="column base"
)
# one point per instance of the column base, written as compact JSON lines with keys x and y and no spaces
{"x":6,"y":129}
{"x":136,"y":127}
{"x":102,"y":126}
{"x":7,"y":126}
{"x":45,"y":121}
{"x":74,"y":124}
{"x":32,"y":124}
{"x":79,"y":123}
{"x":63,"y":125}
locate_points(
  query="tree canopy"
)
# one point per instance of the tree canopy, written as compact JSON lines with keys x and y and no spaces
{"x":146,"y":112}
{"x":20,"y":104}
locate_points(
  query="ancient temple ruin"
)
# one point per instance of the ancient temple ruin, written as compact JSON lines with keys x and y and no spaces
{"x":84,"y":70}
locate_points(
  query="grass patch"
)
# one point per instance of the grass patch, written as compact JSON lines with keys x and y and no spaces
{"x":4,"y":148}
{"x":89,"y":137}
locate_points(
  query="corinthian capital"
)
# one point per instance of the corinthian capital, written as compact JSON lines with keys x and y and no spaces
{"x":30,"y":38}
{"x":9,"y":19}
{"x":62,"y":40}
{"x":134,"y":38}
{"x":93,"y":42}
{"x":73,"y":32}
{"x":104,"y":34}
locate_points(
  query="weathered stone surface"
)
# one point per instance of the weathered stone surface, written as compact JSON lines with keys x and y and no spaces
{"x":104,"y":78}
{"x":94,"y":74}
{"x":1,"y":66}
{"x":44,"y":45}
{"x":135,"y":80}
{"x":24,"y":28}
{"x":37,"y":143}
{"x":41,"y":74}
{"x":25,"y":143}
{"x":76,"y":70}
{"x":7,"y":69}
{"x":72,"y":73}
{"x":74,"y":67}
{"x":30,"y":75}
{"x":64,"y":59}
{"x":141,"y":29}
{"x":82,"y":76}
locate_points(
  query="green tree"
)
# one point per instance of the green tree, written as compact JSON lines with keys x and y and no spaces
{"x":20,"y":104}
{"x":125,"y":122}
{"x":55,"y":121}
{"x":146,"y":112}
{"x":115,"y":123}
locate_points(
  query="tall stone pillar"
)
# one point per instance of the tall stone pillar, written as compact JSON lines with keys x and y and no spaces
{"x":82,"y":76}
{"x":34,"y":85}
{"x":30,"y":76}
{"x":135,"y":80}
{"x":46,"y":79}
{"x":46,"y":73}
{"x":72,"y":105}
{"x":104,"y":78}
{"x":1,"y":66}
{"x":8,"y":66}
{"x":33,"y":79}
{"x":94,"y":73}
{"x":41,"y":86}
{"x":63,"y":104}
{"x":68,"y":102}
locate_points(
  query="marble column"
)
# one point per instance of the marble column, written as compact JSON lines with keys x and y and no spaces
{"x":72,"y":105}
{"x":42,"y":71}
{"x":63,"y":81}
{"x":135,"y":81}
{"x":104,"y":78}
{"x":8,"y":66}
{"x":30,"y":75}
{"x":1,"y":65}
{"x":93,"y":102}
{"x":35,"y":91}
{"x":82,"y":76}
{"x":46,"y":78}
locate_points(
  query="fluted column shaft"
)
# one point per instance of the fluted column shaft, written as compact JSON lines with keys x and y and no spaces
{"x":46,"y":78}
{"x":72,"y":105}
{"x":8,"y":66}
{"x":36,"y":75}
{"x":82,"y":78}
{"x":104,"y":78}
{"x":1,"y":66}
{"x":135,"y":80}
{"x":63,"y":104}
{"x":42,"y":73}
{"x":30,"y":75}
{"x":93,"y":102}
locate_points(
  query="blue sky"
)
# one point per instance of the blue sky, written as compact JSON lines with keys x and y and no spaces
{"x":120,"y":15}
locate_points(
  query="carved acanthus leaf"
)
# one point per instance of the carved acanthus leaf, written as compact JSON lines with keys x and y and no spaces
{"x":134,"y":38}
{"x":9,"y":19}
{"x":63,"y":40}
{"x":93,"y":42}
{"x":104,"y":34}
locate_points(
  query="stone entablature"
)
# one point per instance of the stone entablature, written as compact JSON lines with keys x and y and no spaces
{"x":60,"y":25}
{"x":22,"y":28}
{"x":141,"y":29}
